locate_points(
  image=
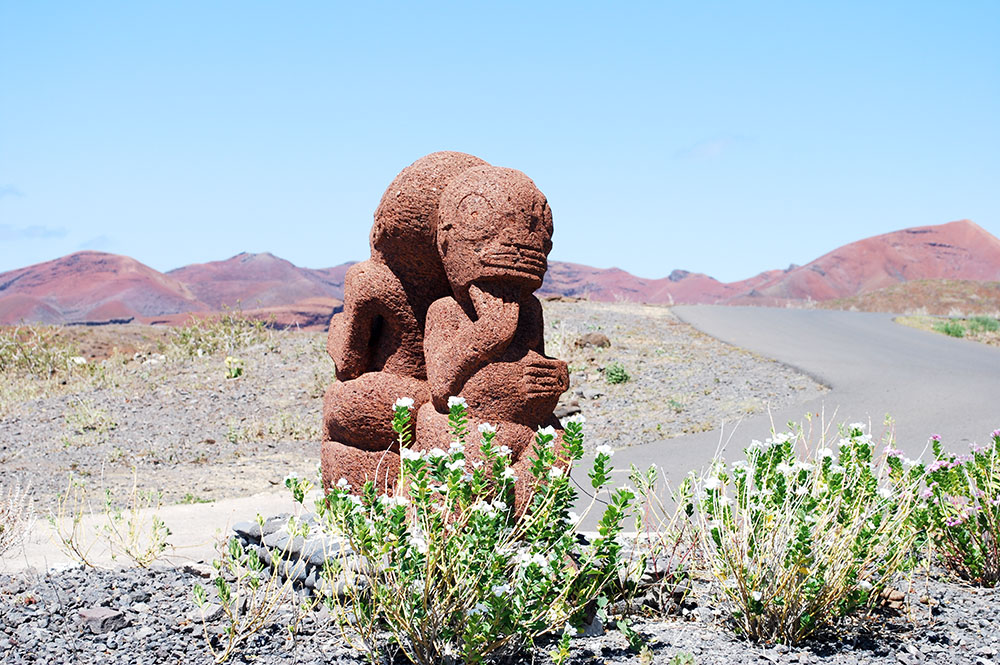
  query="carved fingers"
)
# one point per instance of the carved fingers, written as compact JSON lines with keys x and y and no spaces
{"x":545,"y":376}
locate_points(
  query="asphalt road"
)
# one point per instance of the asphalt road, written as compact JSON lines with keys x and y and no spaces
{"x":928,"y":383}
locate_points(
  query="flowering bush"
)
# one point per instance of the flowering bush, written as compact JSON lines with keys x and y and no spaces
{"x":450,"y":569}
{"x":961,"y":510}
{"x":798,"y":542}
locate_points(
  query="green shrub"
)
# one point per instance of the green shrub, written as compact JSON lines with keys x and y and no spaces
{"x":978,"y":324}
{"x":797,"y":543}
{"x":951,"y":328}
{"x":451,"y":570}
{"x":616,"y":373}
{"x":961,"y":510}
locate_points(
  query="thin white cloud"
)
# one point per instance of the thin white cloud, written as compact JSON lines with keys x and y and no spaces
{"x":11,"y":233}
{"x":710,"y":148}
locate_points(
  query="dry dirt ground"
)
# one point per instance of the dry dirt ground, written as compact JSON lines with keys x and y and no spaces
{"x":147,"y":402}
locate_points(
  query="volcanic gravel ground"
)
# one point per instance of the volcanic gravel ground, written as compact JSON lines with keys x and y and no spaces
{"x":192,"y":434}
{"x":189,"y":430}
{"x":681,"y":380}
{"x":186,"y":428}
{"x":135,"y":616}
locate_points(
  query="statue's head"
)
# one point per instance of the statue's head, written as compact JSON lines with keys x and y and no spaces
{"x":494,"y":225}
{"x":403,"y":235}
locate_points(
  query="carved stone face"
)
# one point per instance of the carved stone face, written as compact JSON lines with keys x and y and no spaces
{"x":494,"y":226}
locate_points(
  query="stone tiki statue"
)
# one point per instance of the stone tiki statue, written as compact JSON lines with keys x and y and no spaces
{"x":444,"y":307}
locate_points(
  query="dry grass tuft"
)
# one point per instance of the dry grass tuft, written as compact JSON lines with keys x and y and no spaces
{"x":16,"y":517}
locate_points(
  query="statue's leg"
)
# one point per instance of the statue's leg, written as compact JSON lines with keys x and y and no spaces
{"x":357,"y":466}
{"x":358,"y":441}
{"x":433,"y":432}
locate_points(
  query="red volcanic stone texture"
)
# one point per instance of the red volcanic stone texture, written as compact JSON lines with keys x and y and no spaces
{"x":376,"y":342}
{"x":444,"y":307}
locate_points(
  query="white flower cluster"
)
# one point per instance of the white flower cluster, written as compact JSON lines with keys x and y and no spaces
{"x":404,"y":403}
{"x":525,"y":559}
{"x":492,"y":508}
{"x":456,"y":401}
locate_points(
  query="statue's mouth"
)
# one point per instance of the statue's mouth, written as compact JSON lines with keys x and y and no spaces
{"x":520,"y":258}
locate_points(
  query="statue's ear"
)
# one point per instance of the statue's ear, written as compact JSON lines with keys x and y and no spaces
{"x":444,"y":228}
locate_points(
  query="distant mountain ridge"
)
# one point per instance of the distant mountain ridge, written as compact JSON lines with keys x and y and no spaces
{"x":96,"y":287}
{"x":956,"y":250}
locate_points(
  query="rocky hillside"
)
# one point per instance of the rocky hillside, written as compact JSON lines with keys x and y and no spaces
{"x":94,"y":287}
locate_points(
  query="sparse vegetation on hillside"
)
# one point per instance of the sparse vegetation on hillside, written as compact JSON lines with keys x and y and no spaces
{"x":940,"y":297}
{"x":224,"y":333}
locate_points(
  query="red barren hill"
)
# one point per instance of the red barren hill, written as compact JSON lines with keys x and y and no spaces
{"x":680,"y":287}
{"x":90,"y":287}
{"x":957,"y":250}
{"x":259,"y":280}
{"x":98,"y":287}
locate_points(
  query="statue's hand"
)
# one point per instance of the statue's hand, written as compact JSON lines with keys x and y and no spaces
{"x":498,"y":312}
{"x":545,"y":377}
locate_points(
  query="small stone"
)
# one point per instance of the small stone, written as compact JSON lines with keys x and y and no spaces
{"x":210,"y":612}
{"x":249,"y":531}
{"x":316,"y":550}
{"x":566,"y":410}
{"x":274,"y":524}
{"x":593,"y":629}
{"x":597,"y":339}
{"x":276,"y":540}
{"x":196,"y":569}
{"x":102,"y":619}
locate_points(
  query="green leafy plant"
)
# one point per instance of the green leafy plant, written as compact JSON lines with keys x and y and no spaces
{"x":451,"y":568}
{"x":961,"y":510}
{"x":950,"y":328}
{"x":191,"y":499}
{"x":616,"y":373}
{"x":978,"y":324}
{"x":796,"y":542}
{"x":67,"y":522}
{"x":234,"y":367}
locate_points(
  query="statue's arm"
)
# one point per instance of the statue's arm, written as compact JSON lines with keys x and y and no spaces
{"x":455,"y":348}
{"x":349,"y":339}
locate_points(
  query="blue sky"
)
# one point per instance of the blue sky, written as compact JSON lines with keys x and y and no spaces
{"x":725,"y":138}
